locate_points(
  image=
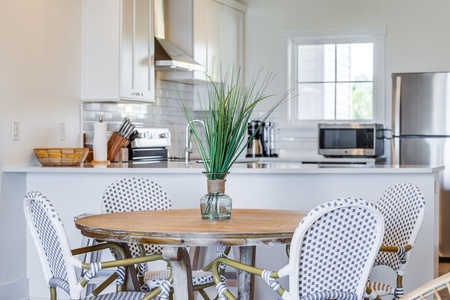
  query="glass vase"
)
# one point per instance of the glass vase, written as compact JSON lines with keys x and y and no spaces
{"x":216,"y":205}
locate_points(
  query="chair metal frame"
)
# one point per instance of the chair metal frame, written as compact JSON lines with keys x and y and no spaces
{"x":331,"y":254}
{"x":60,"y":264}
{"x":403,"y":207}
{"x":135,"y":194}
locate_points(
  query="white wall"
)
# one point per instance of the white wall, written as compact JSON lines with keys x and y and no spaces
{"x":40,"y":56}
{"x":416,"y":37}
{"x":39,"y":87}
{"x":416,"y":41}
{"x":39,"y":75}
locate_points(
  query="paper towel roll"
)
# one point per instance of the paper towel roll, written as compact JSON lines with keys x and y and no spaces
{"x":100,"y":142}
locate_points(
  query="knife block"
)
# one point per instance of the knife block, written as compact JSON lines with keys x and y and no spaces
{"x":115,"y":143}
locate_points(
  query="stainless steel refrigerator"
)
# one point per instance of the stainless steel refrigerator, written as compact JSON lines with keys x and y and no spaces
{"x":421,"y":129}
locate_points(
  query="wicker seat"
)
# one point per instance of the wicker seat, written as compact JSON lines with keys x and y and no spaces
{"x":136,"y":194}
{"x":331,"y":254}
{"x":60,"y":264}
{"x":403,"y":207}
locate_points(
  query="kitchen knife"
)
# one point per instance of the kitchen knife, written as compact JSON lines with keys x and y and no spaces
{"x":133,"y":135}
{"x":125,"y":129}
{"x":122,"y":125}
{"x":129,"y":130}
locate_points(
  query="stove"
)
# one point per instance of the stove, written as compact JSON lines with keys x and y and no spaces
{"x":150,"y":145}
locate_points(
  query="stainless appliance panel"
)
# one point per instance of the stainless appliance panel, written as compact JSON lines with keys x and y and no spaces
{"x":423,"y":151}
{"x":424,"y":104}
{"x":421,"y":128}
{"x":433,"y":151}
{"x":347,"y":140}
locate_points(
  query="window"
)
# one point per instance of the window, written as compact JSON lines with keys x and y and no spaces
{"x":335,"y":74}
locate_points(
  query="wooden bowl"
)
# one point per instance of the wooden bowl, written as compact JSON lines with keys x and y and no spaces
{"x":61,"y":156}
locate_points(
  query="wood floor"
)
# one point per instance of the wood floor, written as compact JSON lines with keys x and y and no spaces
{"x":444,"y":268}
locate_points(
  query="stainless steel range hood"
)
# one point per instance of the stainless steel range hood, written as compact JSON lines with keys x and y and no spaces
{"x":169,"y":57}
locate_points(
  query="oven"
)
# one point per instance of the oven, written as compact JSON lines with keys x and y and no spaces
{"x":149,"y":145}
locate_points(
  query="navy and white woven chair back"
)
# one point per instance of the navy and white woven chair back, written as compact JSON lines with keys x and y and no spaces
{"x":51,"y":241}
{"x":136,"y":194}
{"x":403,"y":207}
{"x":333,"y":249}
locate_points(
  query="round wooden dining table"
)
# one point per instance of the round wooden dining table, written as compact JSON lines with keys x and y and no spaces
{"x":179,"y":228}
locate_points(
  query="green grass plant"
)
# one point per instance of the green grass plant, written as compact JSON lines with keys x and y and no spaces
{"x":226,"y":113}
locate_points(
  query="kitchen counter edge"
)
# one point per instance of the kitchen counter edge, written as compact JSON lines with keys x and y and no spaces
{"x":238,"y":168}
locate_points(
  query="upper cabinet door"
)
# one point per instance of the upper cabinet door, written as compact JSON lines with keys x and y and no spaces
{"x":117,"y":50}
{"x":218,"y":36}
{"x":100,"y":50}
{"x":211,"y":31}
{"x":232,"y":36}
{"x":137,"y":51}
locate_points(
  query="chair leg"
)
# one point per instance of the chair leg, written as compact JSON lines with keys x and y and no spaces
{"x":398,"y":292}
{"x":203,"y":293}
{"x":194,"y":254}
{"x":52,"y":293}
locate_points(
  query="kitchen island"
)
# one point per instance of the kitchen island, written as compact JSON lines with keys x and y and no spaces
{"x":279,"y":184}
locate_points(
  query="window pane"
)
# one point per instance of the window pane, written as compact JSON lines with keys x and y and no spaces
{"x":362,"y":62}
{"x":330,"y":63}
{"x":316,"y":63}
{"x":343,"y":66}
{"x":343,"y":101}
{"x":316,"y":101}
{"x":362,"y":101}
{"x":335,"y":82}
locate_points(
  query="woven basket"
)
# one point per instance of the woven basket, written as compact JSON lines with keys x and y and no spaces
{"x":61,"y":156}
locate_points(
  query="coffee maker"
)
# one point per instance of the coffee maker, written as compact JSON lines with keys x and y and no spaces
{"x":255,"y":146}
{"x":261,"y":139}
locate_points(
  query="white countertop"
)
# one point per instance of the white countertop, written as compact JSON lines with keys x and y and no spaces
{"x":269,"y":166}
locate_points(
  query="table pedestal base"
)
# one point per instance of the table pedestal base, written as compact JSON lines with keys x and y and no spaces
{"x":246,"y":280}
{"x":181,"y":271}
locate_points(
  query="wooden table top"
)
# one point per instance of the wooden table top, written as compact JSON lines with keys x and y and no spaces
{"x":247,"y":227}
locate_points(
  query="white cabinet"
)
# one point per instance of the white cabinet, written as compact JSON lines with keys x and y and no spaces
{"x":218,"y":36}
{"x":137,"y":50}
{"x":117,"y":50}
{"x":212,"y":31}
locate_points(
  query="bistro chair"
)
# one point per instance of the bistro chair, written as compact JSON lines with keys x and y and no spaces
{"x":331,"y":254}
{"x":60,"y":264}
{"x":438,"y":288}
{"x":403,"y":208}
{"x":137,"y":194}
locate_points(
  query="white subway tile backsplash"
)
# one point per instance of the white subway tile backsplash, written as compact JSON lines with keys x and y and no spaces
{"x":309,"y":145}
{"x":166,"y":112}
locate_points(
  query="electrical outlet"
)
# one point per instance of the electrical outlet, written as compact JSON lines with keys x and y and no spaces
{"x":15,"y":130}
{"x":62,"y":131}
{"x":220,"y":249}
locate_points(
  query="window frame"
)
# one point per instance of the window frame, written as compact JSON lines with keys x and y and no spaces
{"x":291,"y":38}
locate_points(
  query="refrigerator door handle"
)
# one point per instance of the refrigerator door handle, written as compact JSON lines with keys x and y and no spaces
{"x":395,"y":144}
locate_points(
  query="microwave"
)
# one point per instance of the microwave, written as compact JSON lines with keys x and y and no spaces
{"x":351,"y":140}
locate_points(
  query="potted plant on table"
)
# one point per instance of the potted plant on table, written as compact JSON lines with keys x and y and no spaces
{"x":225,"y":115}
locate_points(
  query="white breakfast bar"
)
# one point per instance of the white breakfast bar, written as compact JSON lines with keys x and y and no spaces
{"x":273,"y":184}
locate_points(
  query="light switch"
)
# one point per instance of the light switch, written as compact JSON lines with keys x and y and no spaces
{"x":15,"y":130}
{"x":62,"y":131}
